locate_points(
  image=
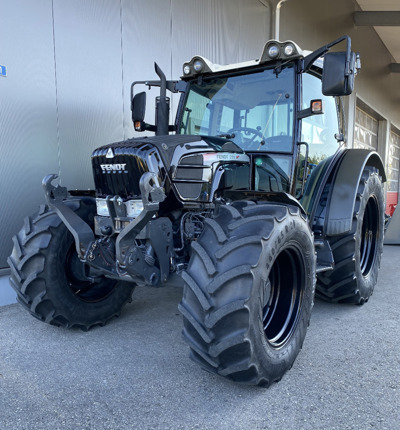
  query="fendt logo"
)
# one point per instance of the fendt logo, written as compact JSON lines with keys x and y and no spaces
{"x":110,"y":153}
{"x":112,"y":167}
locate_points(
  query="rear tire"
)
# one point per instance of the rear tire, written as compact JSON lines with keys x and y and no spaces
{"x":357,"y":254}
{"x":249,"y":291}
{"x":47,"y":274}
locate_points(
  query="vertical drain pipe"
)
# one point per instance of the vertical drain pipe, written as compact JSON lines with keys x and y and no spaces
{"x":275,"y":7}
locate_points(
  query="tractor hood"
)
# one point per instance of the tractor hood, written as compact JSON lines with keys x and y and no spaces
{"x":118,"y":167}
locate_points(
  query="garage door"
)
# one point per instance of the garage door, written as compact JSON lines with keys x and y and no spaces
{"x":365,"y":130}
{"x":392,"y":195}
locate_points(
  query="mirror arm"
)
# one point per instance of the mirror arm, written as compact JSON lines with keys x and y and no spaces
{"x":310,"y":58}
{"x":170,"y":85}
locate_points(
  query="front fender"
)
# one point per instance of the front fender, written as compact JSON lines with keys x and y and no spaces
{"x":261,"y":196}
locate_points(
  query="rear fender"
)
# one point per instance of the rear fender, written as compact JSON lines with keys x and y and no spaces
{"x":347,"y":176}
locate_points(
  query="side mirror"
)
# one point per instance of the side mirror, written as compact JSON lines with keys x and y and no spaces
{"x":138,"y":107}
{"x":338,"y":74}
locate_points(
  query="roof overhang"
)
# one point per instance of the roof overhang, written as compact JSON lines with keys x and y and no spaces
{"x":384,"y":17}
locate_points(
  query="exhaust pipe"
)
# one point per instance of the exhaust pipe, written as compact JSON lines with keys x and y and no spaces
{"x":162,"y":105}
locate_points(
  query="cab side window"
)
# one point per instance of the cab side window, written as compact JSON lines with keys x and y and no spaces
{"x":319,"y":130}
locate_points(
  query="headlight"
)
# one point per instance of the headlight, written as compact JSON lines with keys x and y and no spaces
{"x":133,"y":207}
{"x":102,"y":208}
{"x":198,"y":66}
{"x":273,"y":51}
{"x":186,"y":69}
{"x":289,"y":49}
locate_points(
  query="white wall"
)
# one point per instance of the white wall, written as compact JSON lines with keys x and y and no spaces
{"x":70,"y":65}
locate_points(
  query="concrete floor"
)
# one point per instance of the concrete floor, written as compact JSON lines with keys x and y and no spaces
{"x":135,"y":373}
{"x":7,"y":294}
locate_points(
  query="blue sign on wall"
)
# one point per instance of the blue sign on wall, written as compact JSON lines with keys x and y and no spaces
{"x":3,"y":70}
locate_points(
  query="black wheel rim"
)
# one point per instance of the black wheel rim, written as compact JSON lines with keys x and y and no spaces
{"x":90,"y":291}
{"x":369,"y":235}
{"x":283,"y":297}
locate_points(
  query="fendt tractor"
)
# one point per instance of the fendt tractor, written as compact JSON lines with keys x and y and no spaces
{"x":250,"y":201}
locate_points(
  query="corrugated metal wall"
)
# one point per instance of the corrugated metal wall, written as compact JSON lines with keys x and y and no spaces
{"x":69,"y":69}
{"x":28,"y":115}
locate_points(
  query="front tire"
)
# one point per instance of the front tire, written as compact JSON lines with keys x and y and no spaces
{"x":249,"y":291}
{"x":49,"y":278}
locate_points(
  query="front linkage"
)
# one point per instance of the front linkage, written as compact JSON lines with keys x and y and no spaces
{"x":120,"y":259}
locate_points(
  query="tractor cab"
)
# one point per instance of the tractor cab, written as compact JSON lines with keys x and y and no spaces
{"x":278,"y":109}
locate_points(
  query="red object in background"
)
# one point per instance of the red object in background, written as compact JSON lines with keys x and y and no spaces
{"x":391,"y":202}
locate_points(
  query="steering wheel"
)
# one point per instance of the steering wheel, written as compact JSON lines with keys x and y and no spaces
{"x":248,"y":130}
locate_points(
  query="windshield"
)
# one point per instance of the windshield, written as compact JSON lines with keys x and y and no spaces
{"x":255,"y":110}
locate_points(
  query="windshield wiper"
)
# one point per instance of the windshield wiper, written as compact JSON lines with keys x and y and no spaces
{"x":279,"y":67}
{"x":227,"y":136}
{"x":185,"y":126}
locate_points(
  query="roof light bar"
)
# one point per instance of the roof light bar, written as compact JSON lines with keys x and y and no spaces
{"x":273,"y":50}
{"x":195,"y":66}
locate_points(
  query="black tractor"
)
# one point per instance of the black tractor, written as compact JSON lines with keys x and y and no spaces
{"x":250,"y":200}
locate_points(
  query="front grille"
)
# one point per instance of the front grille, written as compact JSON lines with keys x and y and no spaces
{"x":188,"y":176}
{"x":120,"y":174}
